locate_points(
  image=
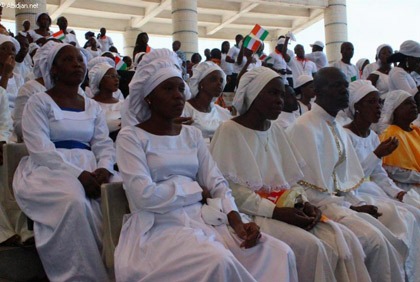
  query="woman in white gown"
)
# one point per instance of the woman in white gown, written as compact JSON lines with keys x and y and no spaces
{"x":206,"y":85}
{"x":166,"y":168}
{"x":378,"y":189}
{"x":58,"y":184}
{"x":263,"y":168}
{"x":103,"y":82}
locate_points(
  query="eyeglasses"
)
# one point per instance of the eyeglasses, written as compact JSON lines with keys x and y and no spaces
{"x":112,"y":76}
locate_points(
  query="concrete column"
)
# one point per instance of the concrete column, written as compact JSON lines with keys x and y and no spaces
{"x":185,"y":27}
{"x":335,"y":24}
{"x":130,"y":36}
{"x":27,"y":10}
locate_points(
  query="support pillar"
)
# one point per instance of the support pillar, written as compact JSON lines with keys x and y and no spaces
{"x":185,"y":25}
{"x":335,"y":25}
{"x":130,"y":36}
{"x":27,"y":10}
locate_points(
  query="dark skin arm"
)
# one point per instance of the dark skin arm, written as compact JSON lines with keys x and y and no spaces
{"x":305,"y":216}
{"x":370,"y":209}
{"x":249,"y":232}
{"x":386,"y":147}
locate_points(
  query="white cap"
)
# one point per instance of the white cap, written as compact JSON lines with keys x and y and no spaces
{"x":302,"y":79}
{"x":318,"y":43}
{"x":410,"y":48}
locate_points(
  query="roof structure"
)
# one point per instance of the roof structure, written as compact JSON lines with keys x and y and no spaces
{"x":221,"y":19}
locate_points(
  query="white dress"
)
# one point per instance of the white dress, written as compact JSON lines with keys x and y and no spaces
{"x":25,"y":92}
{"x":12,"y":89}
{"x":382,"y":83}
{"x":165,"y":237}
{"x":399,"y":79}
{"x":112,"y":115}
{"x":286,"y":119}
{"x":67,"y":225}
{"x":5,"y":116}
{"x":379,"y":190}
{"x":207,"y":122}
{"x":332,"y":173}
{"x":264,"y":160}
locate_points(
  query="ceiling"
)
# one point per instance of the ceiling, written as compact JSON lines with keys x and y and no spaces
{"x":216,"y":18}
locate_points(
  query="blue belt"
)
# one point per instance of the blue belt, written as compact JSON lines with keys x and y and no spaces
{"x":71,"y":144}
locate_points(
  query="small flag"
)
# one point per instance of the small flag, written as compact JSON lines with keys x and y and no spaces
{"x":148,"y":49}
{"x":120,"y":64}
{"x":252,"y":43}
{"x":259,"y":32}
{"x":59,"y":35}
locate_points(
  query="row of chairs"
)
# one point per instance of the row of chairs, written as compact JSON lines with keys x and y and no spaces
{"x":114,"y":203}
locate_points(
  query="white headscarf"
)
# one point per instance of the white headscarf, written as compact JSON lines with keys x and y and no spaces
{"x":357,"y":90}
{"x":360,"y":63}
{"x":392,"y":101}
{"x":200,"y":72}
{"x":100,"y":60}
{"x":303,"y":79}
{"x":250,"y":86}
{"x":155,"y":67}
{"x":7,"y":38}
{"x":40,"y":59}
{"x":96,"y":75}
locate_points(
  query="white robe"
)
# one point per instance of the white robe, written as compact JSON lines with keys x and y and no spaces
{"x":332,"y":173}
{"x":67,"y":225}
{"x":319,"y":58}
{"x":253,"y":160}
{"x":402,"y":220}
{"x":165,"y":237}
{"x":5,"y":116}
{"x":12,"y":89}
{"x":207,"y":122}
{"x":286,"y":119}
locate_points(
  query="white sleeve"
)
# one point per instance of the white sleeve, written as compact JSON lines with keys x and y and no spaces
{"x":5,"y":118}
{"x":403,"y":175}
{"x":381,"y":178}
{"x":232,"y":53}
{"x":102,"y":146}
{"x":250,"y":202}
{"x":352,"y":198}
{"x":20,"y":102}
{"x":36,"y":133}
{"x":210,"y":176}
{"x":143,"y":192}
{"x":370,"y":163}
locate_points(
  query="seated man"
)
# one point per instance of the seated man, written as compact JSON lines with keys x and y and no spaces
{"x":333,"y":171}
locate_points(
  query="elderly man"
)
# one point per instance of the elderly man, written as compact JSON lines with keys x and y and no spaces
{"x":350,"y":71}
{"x":333,"y":171}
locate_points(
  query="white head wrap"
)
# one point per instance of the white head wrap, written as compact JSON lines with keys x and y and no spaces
{"x":7,"y":38}
{"x":100,"y":60}
{"x":357,"y":90}
{"x":380,"y":47}
{"x":360,"y":63}
{"x":96,"y":73}
{"x":303,"y":79}
{"x":250,"y":86}
{"x":41,"y":57}
{"x":155,"y":67}
{"x":392,"y":101}
{"x":200,"y":72}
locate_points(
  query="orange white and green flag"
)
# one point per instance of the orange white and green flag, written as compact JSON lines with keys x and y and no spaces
{"x":59,"y":35}
{"x":259,"y":32}
{"x":252,"y":43}
{"x":120,"y":64}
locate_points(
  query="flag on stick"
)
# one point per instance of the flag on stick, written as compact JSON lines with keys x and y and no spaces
{"x":120,"y":64}
{"x":59,"y":35}
{"x":259,"y":32}
{"x":252,"y":43}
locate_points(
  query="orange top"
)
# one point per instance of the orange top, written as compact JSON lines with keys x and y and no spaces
{"x":407,"y":154}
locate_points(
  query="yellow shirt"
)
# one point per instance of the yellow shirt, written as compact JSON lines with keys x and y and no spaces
{"x":407,"y":154}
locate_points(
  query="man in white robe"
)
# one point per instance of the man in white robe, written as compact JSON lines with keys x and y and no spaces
{"x":333,"y":171}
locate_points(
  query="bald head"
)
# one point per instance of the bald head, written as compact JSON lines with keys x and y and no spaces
{"x":331,"y":90}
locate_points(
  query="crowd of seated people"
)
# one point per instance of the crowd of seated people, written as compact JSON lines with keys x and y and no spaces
{"x":312,"y":174}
